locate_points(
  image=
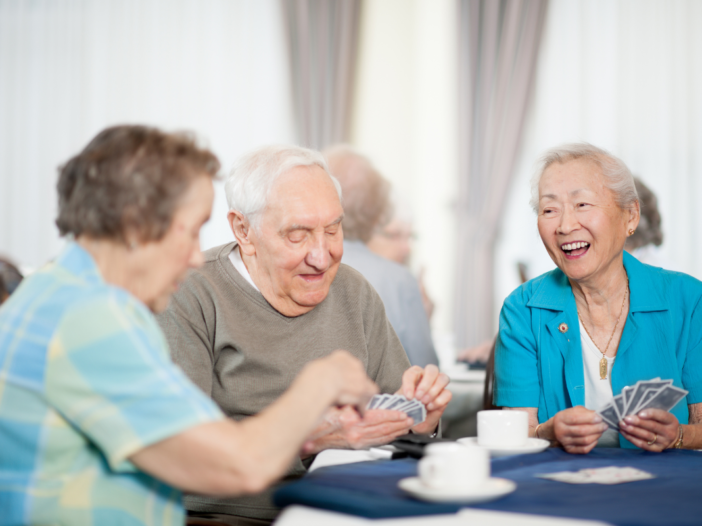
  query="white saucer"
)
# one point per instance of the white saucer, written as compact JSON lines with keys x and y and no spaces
{"x":533,"y":445}
{"x":492,"y":489}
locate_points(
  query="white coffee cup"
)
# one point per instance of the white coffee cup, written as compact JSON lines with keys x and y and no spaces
{"x":454,"y":465}
{"x":503,"y":429}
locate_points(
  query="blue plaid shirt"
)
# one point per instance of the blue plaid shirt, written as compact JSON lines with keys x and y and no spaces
{"x":86,"y":381}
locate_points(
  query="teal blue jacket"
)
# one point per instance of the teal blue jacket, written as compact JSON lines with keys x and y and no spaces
{"x":537,"y":365}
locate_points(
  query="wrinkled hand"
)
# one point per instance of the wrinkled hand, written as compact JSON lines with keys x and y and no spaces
{"x":427,"y":385}
{"x":650,"y":425}
{"x":479,"y":353}
{"x":578,"y":429}
{"x":346,"y":376}
{"x":344,"y":428}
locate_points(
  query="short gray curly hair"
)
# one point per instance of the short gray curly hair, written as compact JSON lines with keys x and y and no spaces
{"x":617,"y":175}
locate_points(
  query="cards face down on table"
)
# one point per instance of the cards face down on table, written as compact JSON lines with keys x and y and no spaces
{"x":608,"y":475}
{"x":412,"y":408}
{"x":646,"y":394}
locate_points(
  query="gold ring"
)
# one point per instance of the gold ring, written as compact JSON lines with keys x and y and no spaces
{"x":654,"y":440}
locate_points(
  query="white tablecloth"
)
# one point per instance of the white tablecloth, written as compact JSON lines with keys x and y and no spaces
{"x":304,"y":516}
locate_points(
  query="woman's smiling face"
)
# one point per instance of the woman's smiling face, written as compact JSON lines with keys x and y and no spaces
{"x":580,"y":223}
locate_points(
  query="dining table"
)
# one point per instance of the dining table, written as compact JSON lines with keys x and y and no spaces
{"x":348,"y":492}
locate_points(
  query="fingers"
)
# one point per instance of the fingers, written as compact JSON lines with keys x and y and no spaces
{"x":652,"y":429}
{"x":584,"y":440}
{"x":435,"y":390}
{"x":657,"y":415}
{"x":410,"y":378}
{"x":354,"y":386}
{"x":572,"y":432}
{"x":425,"y":385}
{"x":429,"y":377}
{"x":646,"y":440}
{"x":580,"y":450}
{"x":379,"y":427}
{"x":578,"y":429}
{"x":441,"y":401}
{"x":379,"y":416}
{"x":578,"y":416}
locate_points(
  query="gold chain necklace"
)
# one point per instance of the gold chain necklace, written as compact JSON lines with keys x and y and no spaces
{"x":603,"y":361}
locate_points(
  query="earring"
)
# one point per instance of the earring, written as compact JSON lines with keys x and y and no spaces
{"x":631,"y":232}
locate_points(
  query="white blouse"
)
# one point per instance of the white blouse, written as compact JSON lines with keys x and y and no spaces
{"x":598,"y":392}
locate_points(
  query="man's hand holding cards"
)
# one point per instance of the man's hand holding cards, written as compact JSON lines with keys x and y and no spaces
{"x":412,"y":408}
{"x":641,"y":413}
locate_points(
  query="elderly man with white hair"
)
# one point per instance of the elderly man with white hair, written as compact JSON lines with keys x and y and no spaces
{"x":244,"y":324}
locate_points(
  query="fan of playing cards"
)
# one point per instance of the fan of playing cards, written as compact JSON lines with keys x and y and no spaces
{"x":649,"y":394}
{"x":412,"y":408}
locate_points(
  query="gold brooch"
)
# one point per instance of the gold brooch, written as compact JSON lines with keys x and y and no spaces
{"x":563,"y":328}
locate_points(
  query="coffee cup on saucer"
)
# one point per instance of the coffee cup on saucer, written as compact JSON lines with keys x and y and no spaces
{"x":503,"y":429}
{"x":450,"y":465}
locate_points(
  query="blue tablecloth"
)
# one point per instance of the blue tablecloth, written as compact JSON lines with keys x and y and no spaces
{"x":673,"y":498}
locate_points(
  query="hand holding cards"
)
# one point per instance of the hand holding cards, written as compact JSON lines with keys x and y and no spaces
{"x":648,"y":394}
{"x":412,"y":408}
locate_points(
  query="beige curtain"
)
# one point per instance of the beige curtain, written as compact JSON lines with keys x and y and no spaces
{"x":499,"y":42}
{"x":322,"y":38}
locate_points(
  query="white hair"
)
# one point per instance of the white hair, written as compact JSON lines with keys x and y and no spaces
{"x":617,"y":176}
{"x":254,"y":175}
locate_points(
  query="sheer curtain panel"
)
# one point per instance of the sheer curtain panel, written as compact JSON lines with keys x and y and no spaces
{"x":498,"y":48}
{"x":322,"y":38}
{"x":69,"y":68}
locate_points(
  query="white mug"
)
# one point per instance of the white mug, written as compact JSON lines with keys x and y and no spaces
{"x":503,"y":429}
{"x":454,"y":465}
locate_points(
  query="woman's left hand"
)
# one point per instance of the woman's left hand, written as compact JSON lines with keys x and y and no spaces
{"x":651,"y":429}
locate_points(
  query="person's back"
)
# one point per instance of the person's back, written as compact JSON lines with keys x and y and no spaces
{"x":59,"y":398}
{"x":366,"y":207}
{"x":399,"y":290}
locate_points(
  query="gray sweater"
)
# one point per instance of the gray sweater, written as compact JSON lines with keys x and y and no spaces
{"x":243,"y":353}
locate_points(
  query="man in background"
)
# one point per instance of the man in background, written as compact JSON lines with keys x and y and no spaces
{"x":366,"y":210}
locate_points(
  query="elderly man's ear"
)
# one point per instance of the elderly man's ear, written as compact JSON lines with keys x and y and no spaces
{"x":241,"y":229}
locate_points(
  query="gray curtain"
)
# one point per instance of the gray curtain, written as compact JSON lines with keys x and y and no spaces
{"x":322,"y":44}
{"x":499,"y":42}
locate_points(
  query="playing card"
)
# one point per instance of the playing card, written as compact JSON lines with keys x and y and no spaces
{"x":609,"y":415}
{"x":409,"y":404}
{"x":395,"y":402}
{"x":607,"y":475}
{"x":384,"y":399}
{"x":626,"y":394}
{"x":418,"y":414}
{"x":412,"y":408}
{"x":665,"y":398}
{"x":618,"y":403}
{"x":641,"y":389}
{"x":647,"y":396}
{"x":374,"y":402}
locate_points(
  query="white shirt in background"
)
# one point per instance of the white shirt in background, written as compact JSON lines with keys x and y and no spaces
{"x":598,"y":392}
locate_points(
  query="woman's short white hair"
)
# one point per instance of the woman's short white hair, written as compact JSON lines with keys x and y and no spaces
{"x":253,"y":176}
{"x":617,"y":175}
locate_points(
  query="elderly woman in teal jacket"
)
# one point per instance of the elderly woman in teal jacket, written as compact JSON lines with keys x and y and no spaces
{"x":574,"y":337}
